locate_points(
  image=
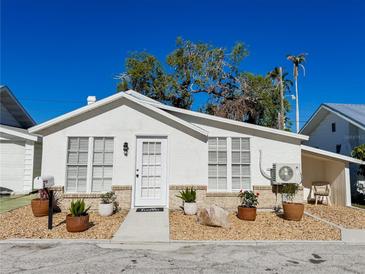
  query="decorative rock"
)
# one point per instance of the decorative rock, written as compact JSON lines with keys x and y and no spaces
{"x":213,"y":216}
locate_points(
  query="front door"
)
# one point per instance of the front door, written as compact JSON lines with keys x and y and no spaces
{"x":151,"y":158}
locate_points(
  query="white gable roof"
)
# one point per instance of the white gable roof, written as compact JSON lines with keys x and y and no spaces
{"x":108,"y":100}
{"x":164,"y":110}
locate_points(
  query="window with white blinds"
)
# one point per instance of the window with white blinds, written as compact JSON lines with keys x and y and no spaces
{"x":240,"y":163}
{"x":77,"y":155}
{"x":102,"y":164}
{"x":217,"y":166}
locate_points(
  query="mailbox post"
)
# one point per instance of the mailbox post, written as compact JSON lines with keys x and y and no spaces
{"x":45,"y":182}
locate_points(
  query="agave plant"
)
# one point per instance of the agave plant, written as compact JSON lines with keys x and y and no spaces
{"x":78,"y":209}
{"x":188,"y":195}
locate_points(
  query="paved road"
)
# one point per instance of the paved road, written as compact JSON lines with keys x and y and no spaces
{"x":92,"y":258}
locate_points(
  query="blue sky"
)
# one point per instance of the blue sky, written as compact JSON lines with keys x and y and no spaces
{"x":56,"y":53}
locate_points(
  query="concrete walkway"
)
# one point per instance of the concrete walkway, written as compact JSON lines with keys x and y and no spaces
{"x":144,"y":227}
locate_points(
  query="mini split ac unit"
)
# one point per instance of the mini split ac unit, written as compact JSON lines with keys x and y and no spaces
{"x":285,"y":174}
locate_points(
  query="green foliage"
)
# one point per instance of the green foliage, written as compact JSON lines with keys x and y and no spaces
{"x":110,"y":198}
{"x":188,"y":195}
{"x":359,"y":153}
{"x":78,"y":209}
{"x":194,"y":68}
{"x":249,"y":198}
{"x":289,"y":191}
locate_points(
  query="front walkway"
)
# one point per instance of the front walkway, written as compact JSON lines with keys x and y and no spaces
{"x":144,"y":227}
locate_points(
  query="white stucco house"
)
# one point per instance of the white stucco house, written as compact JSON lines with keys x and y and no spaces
{"x":146,"y":152}
{"x":20,"y":151}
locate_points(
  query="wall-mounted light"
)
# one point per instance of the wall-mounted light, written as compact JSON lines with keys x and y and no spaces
{"x":125,"y":148}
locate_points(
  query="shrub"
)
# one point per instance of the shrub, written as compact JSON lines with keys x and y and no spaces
{"x":78,"y":209}
{"x":289,"y":191}
{"x":249,"y":198}
{"x":188,"y":195}
{"x":108,"y":198}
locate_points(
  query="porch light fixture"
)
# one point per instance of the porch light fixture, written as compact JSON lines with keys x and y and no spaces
{"x":125,"y":148}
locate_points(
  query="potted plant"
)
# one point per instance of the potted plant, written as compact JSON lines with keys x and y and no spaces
{"x":107,"y":204}
{"x":40,"y":205}
{"x":292,"y":211}
{"x":247,"y":209}
{"x":189,"y":197}
{"x":78,"y":219}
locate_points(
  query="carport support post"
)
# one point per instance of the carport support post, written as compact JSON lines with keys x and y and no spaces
{"x":50,"y":209}
{"x":348,"y":185}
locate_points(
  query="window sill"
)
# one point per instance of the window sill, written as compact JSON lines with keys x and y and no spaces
{"x":222,"y":194}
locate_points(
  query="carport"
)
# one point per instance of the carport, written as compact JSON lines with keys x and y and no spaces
{"x":322,"y":165}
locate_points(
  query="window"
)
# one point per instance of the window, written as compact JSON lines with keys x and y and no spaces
{"x":240,"y":163}
{"x":77,"y":155}
{"x":95,"y":175}
{"x":333,"y":127}
{"x":338,"y":148}
{"x":102,"y":164}
{"x":217,"y":164}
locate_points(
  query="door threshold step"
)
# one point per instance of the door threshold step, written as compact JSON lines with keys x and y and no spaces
{"x":150,"y":209}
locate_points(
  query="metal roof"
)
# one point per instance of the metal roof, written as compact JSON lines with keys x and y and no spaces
{"x":355,"y":112}
{"x":15,"y":108}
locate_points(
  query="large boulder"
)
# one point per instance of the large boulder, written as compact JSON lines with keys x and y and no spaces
{"x":213,"y":216}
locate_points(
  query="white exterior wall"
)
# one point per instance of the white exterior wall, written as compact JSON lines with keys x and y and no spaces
{"x":16,"y":165}
{"x":280,"y":150}
{"x":346,"y":135}
{"x":186,"y":160}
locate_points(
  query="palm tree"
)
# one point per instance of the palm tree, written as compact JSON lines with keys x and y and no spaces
{"x":297,"y":61}
{"x":279,"y":79}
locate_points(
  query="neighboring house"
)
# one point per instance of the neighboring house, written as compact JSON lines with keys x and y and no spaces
{"x":336,"y":127}
{"x":146,"y":152}
{"x":20,"y":151}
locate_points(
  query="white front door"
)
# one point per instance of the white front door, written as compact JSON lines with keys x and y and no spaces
{"x":151,"y":158}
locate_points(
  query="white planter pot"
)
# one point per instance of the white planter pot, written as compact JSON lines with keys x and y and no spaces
{"x":106,"y":209}
{"x":190,"y":208}
{"x":361,"y":186}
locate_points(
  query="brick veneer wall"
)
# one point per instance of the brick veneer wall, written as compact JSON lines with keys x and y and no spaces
{"x":227,"y":200}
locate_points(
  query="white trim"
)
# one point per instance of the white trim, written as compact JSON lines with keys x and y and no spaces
{"x":163,"y":200}
{"x":348,"y":186}
{"x":161,"y":109}
{"x":328,"y":154}
{"x":232,"y":122}
{"x":20,"y":133}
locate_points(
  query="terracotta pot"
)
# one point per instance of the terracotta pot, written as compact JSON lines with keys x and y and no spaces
{"x":247,"y":213}
{"x":293,"y":211}
{"x":39,"y":207}
{"x":77,"y":224}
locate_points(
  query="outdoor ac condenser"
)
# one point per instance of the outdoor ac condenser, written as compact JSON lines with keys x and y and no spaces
{"x":285,"y":174}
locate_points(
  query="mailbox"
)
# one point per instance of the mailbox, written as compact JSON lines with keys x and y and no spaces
{"x":43,"y":182}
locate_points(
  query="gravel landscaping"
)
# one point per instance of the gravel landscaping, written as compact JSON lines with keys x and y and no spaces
{"x":343,"y":216}
{"x":268,"y":226}
{"x":20,"y":223}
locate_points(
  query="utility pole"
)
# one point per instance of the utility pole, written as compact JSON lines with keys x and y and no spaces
{"x":282,"y":118}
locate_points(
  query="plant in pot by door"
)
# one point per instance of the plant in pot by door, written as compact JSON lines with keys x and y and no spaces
{"x":78,"y":219}
{"x":292,"y":211}
{"x":40,"y":205}
{"x":107,"y":204}
{"x":358,"y":190}
{"x":189,"y":197}
{"x":247,"y":209}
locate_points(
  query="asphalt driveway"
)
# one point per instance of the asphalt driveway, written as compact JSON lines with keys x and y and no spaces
{"x":209,"y":258}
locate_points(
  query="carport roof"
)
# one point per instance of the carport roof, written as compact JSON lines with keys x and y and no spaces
{"x":330,"y":155}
